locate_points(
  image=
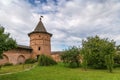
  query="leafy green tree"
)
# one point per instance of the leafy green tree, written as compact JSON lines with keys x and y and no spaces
{"x":6,"y":42}
{"x":95,"y":49}
{"x":84,"y":58}
{"x":71,"y":57}
{"x":109,"y":62}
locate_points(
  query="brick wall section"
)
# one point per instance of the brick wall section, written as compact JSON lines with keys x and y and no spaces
{"x":56,"y":55}
{"x":16,"y":56}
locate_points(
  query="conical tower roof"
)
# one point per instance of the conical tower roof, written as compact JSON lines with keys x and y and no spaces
{"x":40,"y":28}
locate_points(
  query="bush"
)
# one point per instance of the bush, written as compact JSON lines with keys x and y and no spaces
{"x":44,"y":60}
{"x":71,"y":57}
{"x":8,"y":64}
{"x":116,"y":65}
{"x":29,"y":61}
{"x":117,"y":58}
{"x":73,"y":65}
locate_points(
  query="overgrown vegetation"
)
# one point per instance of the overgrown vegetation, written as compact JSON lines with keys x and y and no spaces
{"x":8,"y":64}
{"x":117,"y":59}
{"x":71,"y":57}
{"x":6,"y":42}
{"x":44,"y":60}
{"x":95,"y":53}
{"x":94,"y":50}
{"x":29,"y":61}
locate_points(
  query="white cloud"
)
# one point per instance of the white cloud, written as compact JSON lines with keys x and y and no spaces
{"x":69,"y":21}
{"x":17,"y":19}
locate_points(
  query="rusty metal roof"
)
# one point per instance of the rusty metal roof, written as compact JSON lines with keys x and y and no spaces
{"x":24,"y":47}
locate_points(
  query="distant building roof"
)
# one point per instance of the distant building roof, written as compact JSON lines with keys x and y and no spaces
{"x":24,"y":47}
{"x":56,"y":52}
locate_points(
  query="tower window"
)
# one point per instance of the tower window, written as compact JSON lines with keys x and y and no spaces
{"x":39,"y":48}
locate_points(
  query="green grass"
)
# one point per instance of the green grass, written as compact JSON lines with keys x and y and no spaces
{"x":59,"y":72}
{"x":16,"y":68}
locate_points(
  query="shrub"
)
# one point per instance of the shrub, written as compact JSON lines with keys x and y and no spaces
{"x":8,"y":64}
{"x":117,"y":58}
{"x":44,"y":60}
{"x":116,"y":65}
{"x":73,"y":65}
{"x":71,"y":57}
{"x":28,"y":61}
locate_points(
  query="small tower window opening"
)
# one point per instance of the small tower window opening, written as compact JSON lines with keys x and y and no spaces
{"x":39,"y":48}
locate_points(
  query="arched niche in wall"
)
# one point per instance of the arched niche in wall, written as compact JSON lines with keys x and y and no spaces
{"x":5,"y":58}
{"x":21,"y":59}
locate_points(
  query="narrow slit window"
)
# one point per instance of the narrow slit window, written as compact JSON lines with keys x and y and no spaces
{"x":39,"y":48}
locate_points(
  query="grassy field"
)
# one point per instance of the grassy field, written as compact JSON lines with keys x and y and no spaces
{"x":16,"y":68}
{"x":59,"y":72}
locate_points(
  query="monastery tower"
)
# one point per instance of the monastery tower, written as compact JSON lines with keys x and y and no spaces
{"x":40,"y":40}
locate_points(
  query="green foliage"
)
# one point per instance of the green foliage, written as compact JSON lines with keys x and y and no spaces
{"x":0,"y":67}
{"x":8,"y":64}
{"x":71,"y":57}
{"x":6,"y":43}
{"x":117,"y":59}
{"x":45,"y":60}
{"x":28,"y":61}
{"x":84,"y":58}
{"x":109,"y":62}
{"x":94,"y":50}
{"x":118,"y":48}
{"x":85,"y":64}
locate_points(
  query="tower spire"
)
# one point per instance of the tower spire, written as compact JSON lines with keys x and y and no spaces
{"x":41,"y":18}
{"x":40,"y":27}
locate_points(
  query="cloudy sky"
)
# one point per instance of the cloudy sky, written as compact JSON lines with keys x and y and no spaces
{"x":69,"y":21}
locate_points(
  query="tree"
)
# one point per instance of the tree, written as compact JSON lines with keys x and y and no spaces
{"x":109,"y":62}
{"x":6,"y":42}
{"x":84,"y":58}
{"x":71,"y":57}
{"x":95,"y":49}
